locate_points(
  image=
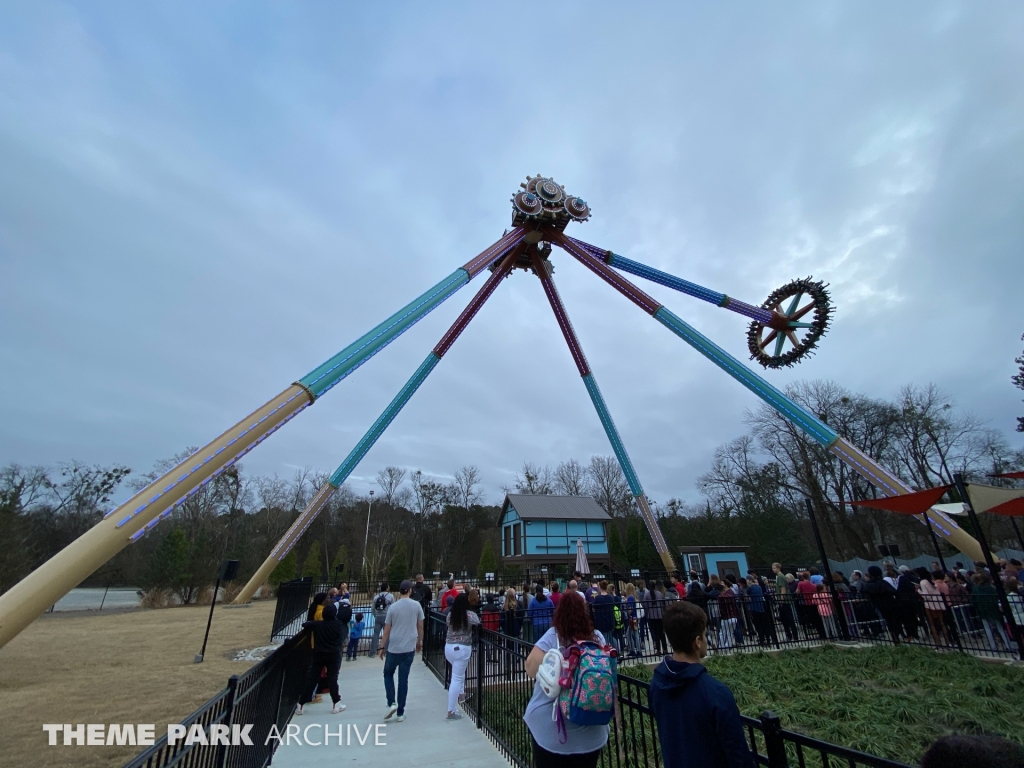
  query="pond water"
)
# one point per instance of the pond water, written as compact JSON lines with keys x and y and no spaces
{"x":86,"y":598}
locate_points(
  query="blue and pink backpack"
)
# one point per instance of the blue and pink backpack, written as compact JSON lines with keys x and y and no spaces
{"x":589,"y":682}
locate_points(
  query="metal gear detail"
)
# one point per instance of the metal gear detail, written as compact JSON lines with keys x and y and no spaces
{"x":790,"y":324}
{"x":543,"y":201}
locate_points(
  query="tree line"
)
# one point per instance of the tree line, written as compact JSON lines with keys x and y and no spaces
{"x":752,"y":495}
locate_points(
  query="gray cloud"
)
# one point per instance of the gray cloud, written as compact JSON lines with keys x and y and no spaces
{"x":198,"y":208}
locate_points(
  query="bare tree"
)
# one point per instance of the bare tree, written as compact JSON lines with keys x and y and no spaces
{"x":390,"y":480}
{"x":534,"y":480}
{"x":609,"y":486}
{"x":428,"y":498}
{"x":463,"y":490}
{"x":571,"y":479}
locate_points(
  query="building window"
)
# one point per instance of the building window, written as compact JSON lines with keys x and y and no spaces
{"x":517,"y":538}
{"x":506,"y":549}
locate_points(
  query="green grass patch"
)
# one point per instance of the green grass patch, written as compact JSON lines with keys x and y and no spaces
{"x":891,"y":702}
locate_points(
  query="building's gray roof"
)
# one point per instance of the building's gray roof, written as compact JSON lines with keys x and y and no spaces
{"x":546,"y":507}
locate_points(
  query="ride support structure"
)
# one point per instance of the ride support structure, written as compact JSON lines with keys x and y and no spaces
{"x":781,"y":333}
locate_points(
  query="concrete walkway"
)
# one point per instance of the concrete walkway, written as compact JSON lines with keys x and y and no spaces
{"x":423,"y":740}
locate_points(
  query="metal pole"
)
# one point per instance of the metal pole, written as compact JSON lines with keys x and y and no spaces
{"x":935,"y":542}
{"x":837,"y":606}
{"x":209,"y":621}
{"x":105,"y":590}
{"x":366,"y":539}
{"x":1017,"y":531}
{"x":1003,"y":602}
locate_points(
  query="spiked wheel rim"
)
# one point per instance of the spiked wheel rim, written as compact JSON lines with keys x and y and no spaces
{"x":767,"y":343}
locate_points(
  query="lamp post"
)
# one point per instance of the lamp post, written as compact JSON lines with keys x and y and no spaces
{"x":366,"y":539}
{"x":837,"y":607}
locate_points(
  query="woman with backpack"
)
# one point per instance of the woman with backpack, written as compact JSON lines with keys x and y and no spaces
{"x":560,"y":742}
{"x":458,"y":647}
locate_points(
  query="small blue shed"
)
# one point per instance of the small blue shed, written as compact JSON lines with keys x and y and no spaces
{"x":720,"y":560}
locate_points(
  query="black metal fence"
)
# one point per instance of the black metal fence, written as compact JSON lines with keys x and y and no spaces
{"x":293,"y":599}
{"x":499,"y":691}
{"x":263,"y":697}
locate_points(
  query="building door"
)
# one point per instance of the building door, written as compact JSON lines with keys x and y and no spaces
{"x":725,"y":567}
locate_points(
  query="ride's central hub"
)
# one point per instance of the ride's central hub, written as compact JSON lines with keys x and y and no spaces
{"x":543,"y":203}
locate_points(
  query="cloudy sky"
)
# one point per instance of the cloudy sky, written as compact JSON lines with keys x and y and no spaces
{"x":199,"y":204}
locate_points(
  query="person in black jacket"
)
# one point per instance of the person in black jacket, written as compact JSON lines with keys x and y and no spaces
{"x":329,"y":635}
{"x":882,"y":596}
{"x":699,"y":724}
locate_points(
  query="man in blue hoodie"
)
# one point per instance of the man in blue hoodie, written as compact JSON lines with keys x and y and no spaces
{"x":698,"y":721}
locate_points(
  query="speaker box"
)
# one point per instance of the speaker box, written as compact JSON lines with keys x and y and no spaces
{"x":228,"y":570}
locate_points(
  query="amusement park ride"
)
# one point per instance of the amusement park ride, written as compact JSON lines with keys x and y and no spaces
{"x":784,"y":329}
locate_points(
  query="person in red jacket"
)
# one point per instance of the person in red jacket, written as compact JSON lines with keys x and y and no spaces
{"x":555,"y":595}
{"x":451,"y":592}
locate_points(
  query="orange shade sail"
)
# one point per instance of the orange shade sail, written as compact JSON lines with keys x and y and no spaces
{"x":908,"y":503}
{"x":1010,"y":475}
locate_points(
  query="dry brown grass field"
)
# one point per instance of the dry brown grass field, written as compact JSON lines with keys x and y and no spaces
{"x":131,"y":667}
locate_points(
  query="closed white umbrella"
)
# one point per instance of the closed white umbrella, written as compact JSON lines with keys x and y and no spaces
{"x":582,"y":566}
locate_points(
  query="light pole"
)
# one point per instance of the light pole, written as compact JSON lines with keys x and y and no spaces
{"x":366,"y":539}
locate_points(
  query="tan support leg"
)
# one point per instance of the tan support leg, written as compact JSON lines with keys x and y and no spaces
{"x":289,"y":540}
{"x":27,"y":599}
{"x":655,"y":530}
{"x":890,"y":485}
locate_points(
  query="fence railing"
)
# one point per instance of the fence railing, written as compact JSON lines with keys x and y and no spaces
{"x":500,"y":690}
{"x":293,"y":599}
{"x":263,"y":697}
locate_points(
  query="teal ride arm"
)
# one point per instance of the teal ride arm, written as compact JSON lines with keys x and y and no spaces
{"x":613,"y":435}
{"x":799,"y":416}
{"x":384,"y":420}
{"x":362,"y":349}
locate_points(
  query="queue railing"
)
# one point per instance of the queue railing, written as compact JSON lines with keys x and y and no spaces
{"x":254,"y":703}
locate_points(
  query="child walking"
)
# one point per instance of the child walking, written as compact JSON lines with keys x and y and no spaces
{"x":355,"y":634}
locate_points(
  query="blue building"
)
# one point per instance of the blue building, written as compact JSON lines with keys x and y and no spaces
{"x":539,"y":530}
{"x":720,"y":560}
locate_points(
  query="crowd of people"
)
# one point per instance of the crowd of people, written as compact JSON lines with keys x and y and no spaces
{"x":678,"y":621}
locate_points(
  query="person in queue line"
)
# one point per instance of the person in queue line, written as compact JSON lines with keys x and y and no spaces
{"x":458,"y":647}
{"x":655,"y":611}
{"x":882,"y":595}
{"x":643,"y":603}
{"x":604,"y":611}
{"x":629,"y":608}
{"x":449,"y":595}
{"x":556,"y":593}
{"x":540,"y":612}
{"x":934,"y":604}
{"x":402,"y":640}
{"x":699,"y":724}
{"x":421,"y":593}
{"x":582,"y":747}
{"x":511,"y":622}
{"x":315,"y":612}
{"x":379,"y":606}
{"x":328,"y":643}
